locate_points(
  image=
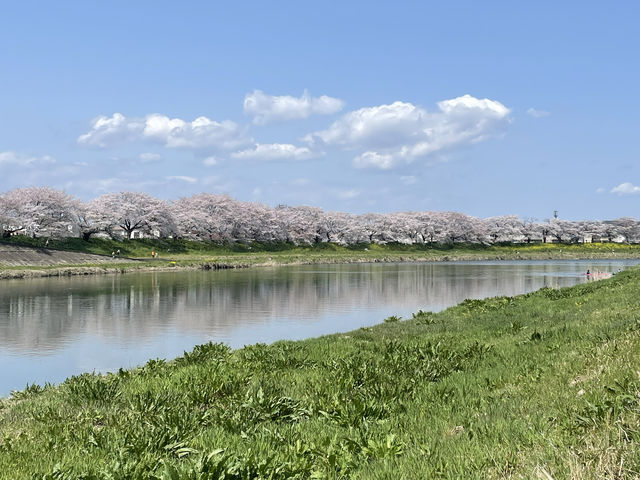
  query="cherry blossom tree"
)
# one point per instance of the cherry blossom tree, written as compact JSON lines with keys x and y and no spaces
{"x":207,"y":216}
{"x":331,"y":226}
{"x":38,"y":211}
{"x":262,"y":224}
{"x":427,"y":225}
{"x":220,"y":218}
{"x":370,"y":224}
{"x":506,"y":228}
{"x":11,"y":217}
{"x":629,"y":228}
{"x":562,"y":230}
{"x":134,"y":211}
{"x":459,"y":227}
{"x":298,"y":225}
{"x":91,"y":219}
{"x":531,"y":230}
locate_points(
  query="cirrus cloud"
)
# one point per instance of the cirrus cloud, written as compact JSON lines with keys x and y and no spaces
{"x":182,"y":178}
{"x":21,"y":160}
{"x":272,"y":108}
{"x":399,"y":133}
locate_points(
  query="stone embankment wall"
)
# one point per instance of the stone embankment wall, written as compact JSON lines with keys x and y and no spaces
{"x":15,"y":256}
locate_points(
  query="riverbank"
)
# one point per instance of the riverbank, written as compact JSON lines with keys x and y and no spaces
{"x":543,"y":385}
{"x":185,"y":255}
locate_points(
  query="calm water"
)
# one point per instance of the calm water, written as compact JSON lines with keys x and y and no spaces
{"x":52,"y":328}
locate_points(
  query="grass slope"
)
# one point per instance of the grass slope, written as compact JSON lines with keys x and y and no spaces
{"x":543,"y":385}
{"x":186,"y":253}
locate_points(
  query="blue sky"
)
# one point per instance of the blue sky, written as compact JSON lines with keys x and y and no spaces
{"x":487,"y":108}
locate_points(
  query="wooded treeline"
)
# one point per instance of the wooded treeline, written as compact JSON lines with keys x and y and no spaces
{"x":44,"y":211}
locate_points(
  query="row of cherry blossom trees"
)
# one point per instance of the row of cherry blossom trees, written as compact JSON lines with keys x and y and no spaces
{"x":43,"y":211}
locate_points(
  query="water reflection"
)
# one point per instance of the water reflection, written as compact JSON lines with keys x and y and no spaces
{"x":52,"y":328}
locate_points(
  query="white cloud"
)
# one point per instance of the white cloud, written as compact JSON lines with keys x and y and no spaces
{"x":210,"y":180}
{"x":399,"y":133}
{"x":626,"y":188}
{"x":537,"y":113}
{"x":110,"y":184}
{"x":381,"y":126}
{"x":408,"y":179}
{"x":106,"y":131}
{"x":201,"y":133}
{"x":182,"y":178}
{"x":271,"y":108}
{"x":215,"y":184}
{"x":149,"y":157}
{"x":18,"y":159}
{"x":600,"y":190}
{"x":300,"y":182}
{"x":210,"y":161}
{"x":383,"y":161}
{"x":348,"y":194}
{"x":274,"y":151}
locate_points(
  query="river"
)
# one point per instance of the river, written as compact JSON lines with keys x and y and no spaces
{"x":52,"y":328}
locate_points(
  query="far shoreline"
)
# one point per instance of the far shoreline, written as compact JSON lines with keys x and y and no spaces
{"x":282,"y":259}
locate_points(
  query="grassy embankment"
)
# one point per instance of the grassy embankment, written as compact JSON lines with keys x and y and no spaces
{"x":191,"y":254}
{"x":543,"y":385}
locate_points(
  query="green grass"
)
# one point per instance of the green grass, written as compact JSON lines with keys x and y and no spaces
{"x":206,"y":254}
{"x":543,"y":385}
